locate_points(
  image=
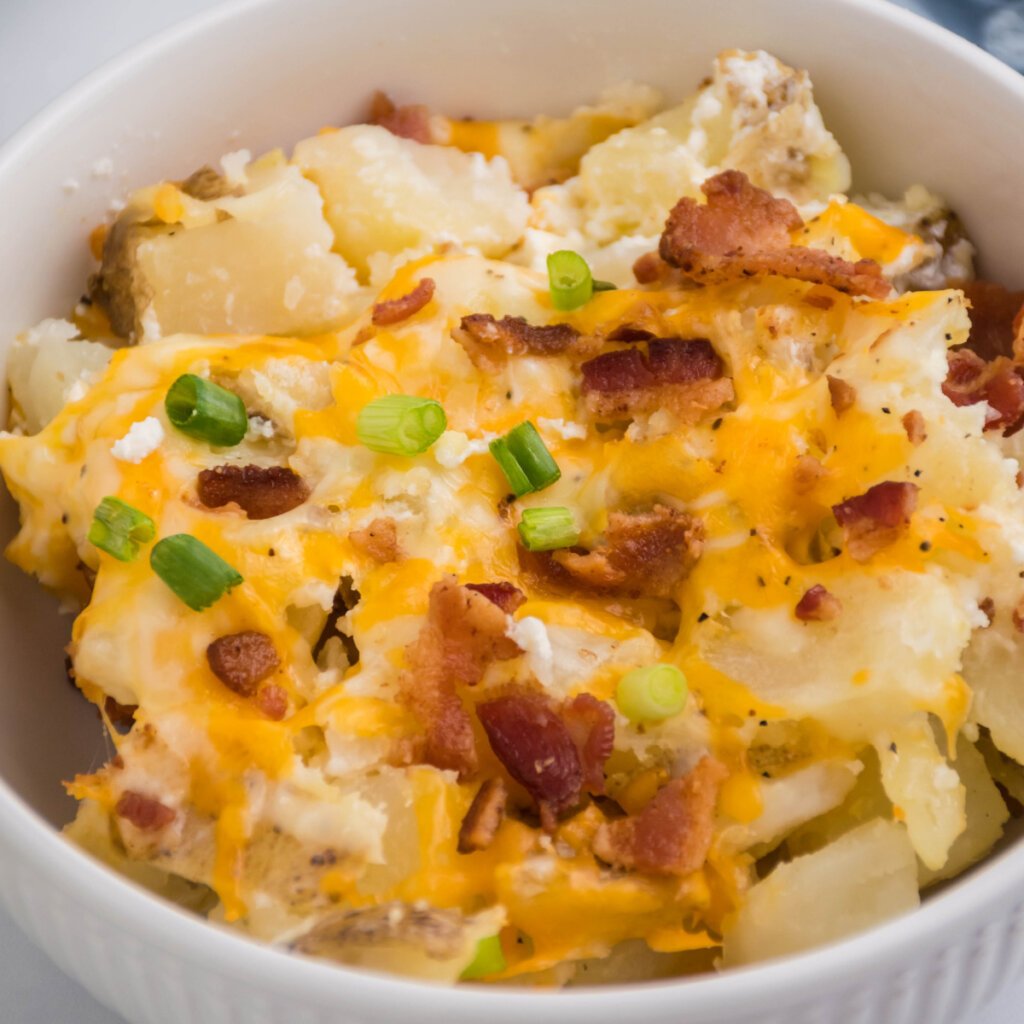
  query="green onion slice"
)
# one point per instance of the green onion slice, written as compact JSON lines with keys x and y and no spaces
{"x":119,"y":529}
{"x":544,"y":529}
{"x":525,"y":459}
{"x":569,"y":279}
{"x":514,"y":473}
{"x":604,"y":286}
{"x":489,"y":959}
{"x":652,"y":694}
{"x":205,"y":410}
{"x":401,"y":424}
{"x":196,"y":574}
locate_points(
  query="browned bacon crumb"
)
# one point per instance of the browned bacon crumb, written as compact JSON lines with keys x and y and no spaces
{"x":506,"y":596}
{"x":808,"y":472}
{"x":482,"y":820}
{"x":489,"y":342}
{"x":841,"y":393}
{"x":379,"y":540}
{"x":993,"y":312}
{"x":262,"y":492}
{"x":272,"y":701}
{"x":591,"y":724}
{"x":145,"y":813}
{"x":533,"y":743}
{"x":241,"y":661}
{"x":683,"y":376}
{"x":462,"y":634}
{"x":744,"y":231}
{"x":407,"y":122}
{"x":998,"y":383}
{"x":818,"y":605}
{"x":913,"y":424}
{"x":644,"y":553}
{"x":672,"y":834}
{"x":987,"y":607}
{"x":393,"y":311}
{"x":877,"y":518}
{"x":1017,"y":617}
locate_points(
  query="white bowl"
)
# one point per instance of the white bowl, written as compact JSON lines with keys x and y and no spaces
{"x":908,"y":101}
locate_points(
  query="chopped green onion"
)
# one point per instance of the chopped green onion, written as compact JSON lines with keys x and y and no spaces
{"x":196,"y":574}
{"x":401,"y":424}
{"x":205,"y":410}
{"x":489,"y":959}
{"x":514,"y":473}
{"x":569,"y":279}
{"x":651,"y":694}
{"x":604,"y":286}
{"x":525,"y":460}
{"x":119,"y":529}
{"x":544,"y":529}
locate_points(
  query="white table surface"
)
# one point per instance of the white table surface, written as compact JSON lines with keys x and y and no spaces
{"x":45,"y":47}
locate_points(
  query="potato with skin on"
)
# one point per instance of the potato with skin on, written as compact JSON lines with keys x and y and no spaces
{"x":862,"y":879}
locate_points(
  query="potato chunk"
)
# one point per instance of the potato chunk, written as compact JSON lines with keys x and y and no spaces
{"x":387,"y":194}
{"x":860,"y":880}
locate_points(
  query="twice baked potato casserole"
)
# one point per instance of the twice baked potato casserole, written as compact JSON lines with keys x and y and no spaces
{"x":537,"y":552}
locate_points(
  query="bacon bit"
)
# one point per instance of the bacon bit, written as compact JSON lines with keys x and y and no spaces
{"x":242,"y":661}
{"x":672,"y":834}
{"x":819,"y":301}
{"x":913,"y":424}
{"x":272,"y":700}
{"x":993,"y":313}
{"x":145,"y":813}
{"x":591,"y":724}
{"x":379,"y":540}
{"x":684,"y":376}
{"x":462,"y":634}
{"x":482,"y":820}
{"x":505,"y":595}
{"x":262,"y":492}
{"x":1017,"y":616}
{"x":489,"y":342}
{"x":742,"y":231}
{"x":121,"y":716}
{"x":999,"y":383}
{"x":535,"y":746}
{"x":408,"y":122}
{"x":808,"y":472}
{"x":842,"y":394}
{"x":818,"y":605}
{"x":651,"y":268}
{"x":645,"y":553}
{"x":393,"y":311}
{"x":987,"y":607}
{"x":877,"y":518}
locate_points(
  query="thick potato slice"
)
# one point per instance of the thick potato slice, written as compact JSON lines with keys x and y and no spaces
{"x":386,"y":194}
{"x":860,"y":880}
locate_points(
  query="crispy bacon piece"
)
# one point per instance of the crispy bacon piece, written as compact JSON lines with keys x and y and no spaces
{"x":645,"y":553}
{"x":591,"y":724}
{"x":818,"y":605}
{"x":145,"y":813}
{"x":1000,"y":383}
{"x":241,"y":661}
{"x":684,"y":376}
{"x":841,"y":393}
{"x":379,"y":540}
{"x":262,"y":492}
{"x":652,"y":269}
{"x":506,"y":596}
{"x":489,"y":342}
{"x":462,"y":634}
{"x":408,"y":122}
{"x":672,"y":834}
{"x":532,"y":741}
{"x":482,"y":820}
{"x":914,"y":425}
{"x":272,"y":700}
{"x":742,"y":231}
{"x":394,"y":311}
{"x":994,"y":310}
{"x":875,"y":519}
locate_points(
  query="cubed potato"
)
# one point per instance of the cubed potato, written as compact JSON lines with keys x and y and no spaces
{"x":862,"y":879}
{"x":387,"y":194}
